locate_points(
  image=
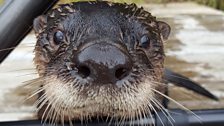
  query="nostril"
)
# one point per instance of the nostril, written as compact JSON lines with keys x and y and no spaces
{"x":120,"y":73}
{"x":83,"y":71}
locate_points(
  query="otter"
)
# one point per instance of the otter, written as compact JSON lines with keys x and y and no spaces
{"x":99,"y":59}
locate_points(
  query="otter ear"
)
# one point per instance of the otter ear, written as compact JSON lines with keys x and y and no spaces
{"x":165,"y":29}
{"x":39,"y":23}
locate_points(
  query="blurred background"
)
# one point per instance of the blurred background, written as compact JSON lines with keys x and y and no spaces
{"x":195,"y":49}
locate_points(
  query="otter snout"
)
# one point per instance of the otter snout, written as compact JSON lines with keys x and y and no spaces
{"x":103,"y":62}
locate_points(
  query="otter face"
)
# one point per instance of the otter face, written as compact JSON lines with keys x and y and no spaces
{"x":99,"y":59}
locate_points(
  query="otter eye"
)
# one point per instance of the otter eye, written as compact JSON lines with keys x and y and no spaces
{"x":58,"y":37}
{"x":144,"y":41}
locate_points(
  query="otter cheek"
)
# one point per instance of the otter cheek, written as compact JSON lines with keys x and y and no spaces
{"x":57,"y":92}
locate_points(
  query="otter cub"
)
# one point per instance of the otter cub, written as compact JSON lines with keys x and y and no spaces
{"x":98,"y":59}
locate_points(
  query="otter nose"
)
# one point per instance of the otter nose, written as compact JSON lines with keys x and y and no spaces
{"x":104,"y":63}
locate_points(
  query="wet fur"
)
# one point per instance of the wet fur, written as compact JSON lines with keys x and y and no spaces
{"x":64,"y":97}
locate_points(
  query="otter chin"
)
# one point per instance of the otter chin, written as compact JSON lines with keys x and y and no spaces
{"x":99,"y":59}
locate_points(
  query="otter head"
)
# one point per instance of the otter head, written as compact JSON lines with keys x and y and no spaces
{"x":99,"y":59}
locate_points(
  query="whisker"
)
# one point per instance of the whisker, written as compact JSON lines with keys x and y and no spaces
{"x":11,"y":48}
{"x":22,"y":75}
{"x":164,"y":112}
{"x":57,"y":107}
{"x":54,"y":117}
{"x":163,"y":108}
{"x":139,"y":116}
{"x":156,"y":113}
{"x":62,"y":116}
{"x":18,"y":70}
{"x":69,"y":119}
{"x":33,"y":94}
{"x":184,"y":78}
{"x":48,"y":112}
{"x":183,"y":107}
{"x":34,"y":81}
{"x":150,"y":115}
{"x":155,"y":83}
{"x":40,"y":102}
{"x":142,"y":111}
{"x":111,"y":119}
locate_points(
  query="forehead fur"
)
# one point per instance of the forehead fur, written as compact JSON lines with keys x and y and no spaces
{"x":100,"y":10}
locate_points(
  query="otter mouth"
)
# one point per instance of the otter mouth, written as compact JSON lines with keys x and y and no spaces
{"x":98,"y":101}
{"x":105,"y":81}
